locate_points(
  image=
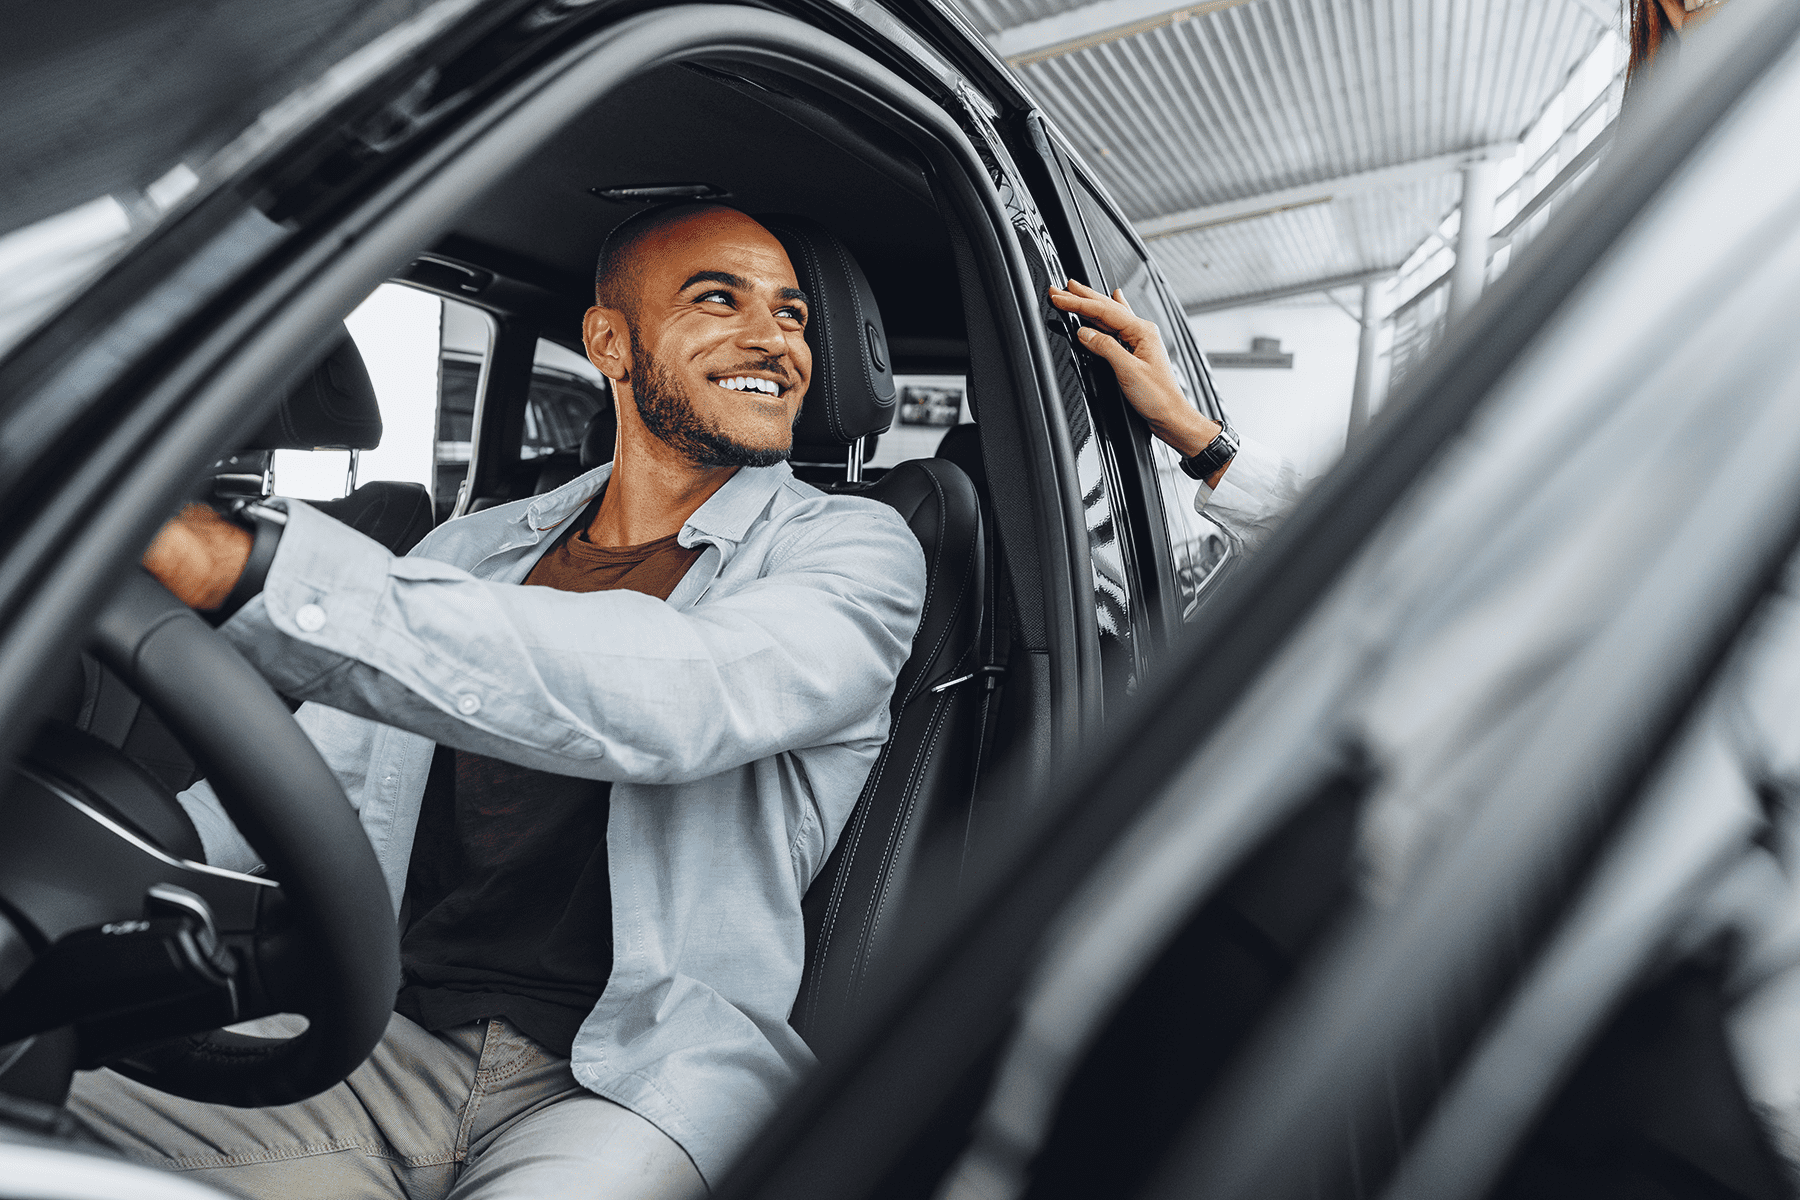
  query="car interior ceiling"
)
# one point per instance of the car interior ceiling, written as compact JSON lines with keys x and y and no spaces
{"x":683,"y":124}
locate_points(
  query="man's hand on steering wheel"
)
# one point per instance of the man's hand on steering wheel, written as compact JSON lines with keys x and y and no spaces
{"x":199,"y":556}
{"x":1132,"y":346}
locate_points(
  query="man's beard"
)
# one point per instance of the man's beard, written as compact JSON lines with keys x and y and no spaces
{"x":668,"y":413}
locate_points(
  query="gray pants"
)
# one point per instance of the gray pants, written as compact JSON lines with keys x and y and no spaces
{"x":477,"y":1112}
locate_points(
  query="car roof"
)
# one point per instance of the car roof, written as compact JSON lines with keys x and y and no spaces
{"x":772,"y":152}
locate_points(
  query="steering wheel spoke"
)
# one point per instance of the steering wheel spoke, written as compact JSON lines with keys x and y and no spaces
{"x":138,"y":941}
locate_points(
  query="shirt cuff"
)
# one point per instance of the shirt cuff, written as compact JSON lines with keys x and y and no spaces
{"x":322,"y":592}
{"x":1256,"y":491}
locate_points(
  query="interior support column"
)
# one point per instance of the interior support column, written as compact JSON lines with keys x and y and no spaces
{"x":1362,"y":398}
{"x":1469,"y":274}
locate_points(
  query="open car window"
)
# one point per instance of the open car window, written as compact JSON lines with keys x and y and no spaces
{"x":424,"y":356}
{"x":1200,"y":549}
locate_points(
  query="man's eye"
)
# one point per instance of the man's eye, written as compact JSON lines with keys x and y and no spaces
{"x":716,"y":296}
{"x":793,"y":314}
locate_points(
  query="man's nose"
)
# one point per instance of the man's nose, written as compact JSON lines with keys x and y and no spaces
{"x":761,"y":331}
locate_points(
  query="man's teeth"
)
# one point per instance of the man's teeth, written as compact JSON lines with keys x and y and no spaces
{"x":749,"y":383}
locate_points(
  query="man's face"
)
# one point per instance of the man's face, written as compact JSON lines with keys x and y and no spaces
{"x":719,"y":363}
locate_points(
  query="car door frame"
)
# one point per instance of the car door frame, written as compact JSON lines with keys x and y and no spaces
{"x":1127,"y":434}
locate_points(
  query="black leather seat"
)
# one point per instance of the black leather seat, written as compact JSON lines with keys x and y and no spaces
{"x":334,"y":408}
{"x":599,"y":438}
{"x":916,"y":800}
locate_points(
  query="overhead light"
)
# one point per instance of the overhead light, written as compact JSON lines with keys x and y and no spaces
{"x":660,"y":193}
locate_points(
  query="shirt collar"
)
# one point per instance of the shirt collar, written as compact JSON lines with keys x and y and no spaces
{"x":726,"y":515}
{"x":728,"y":512}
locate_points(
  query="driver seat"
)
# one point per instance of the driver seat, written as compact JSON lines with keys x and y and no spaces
{"x":915,"y":805}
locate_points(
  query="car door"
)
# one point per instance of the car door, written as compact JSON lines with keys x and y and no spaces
{"x":1123,"y":620}
{"x":1193,"y":552}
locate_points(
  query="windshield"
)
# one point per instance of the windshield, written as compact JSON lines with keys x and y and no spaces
{"x":116,"y":112}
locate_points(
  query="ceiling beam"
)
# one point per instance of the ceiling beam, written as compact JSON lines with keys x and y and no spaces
{"x":1283,"y":292}
{"x":1269,"y":203}
{"x":1094,"y":24}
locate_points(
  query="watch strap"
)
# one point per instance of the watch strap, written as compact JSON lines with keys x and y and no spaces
{"x":1216,"y":454}
{"x":265,"y":523}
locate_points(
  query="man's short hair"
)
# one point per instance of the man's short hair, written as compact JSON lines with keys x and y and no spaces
{"x":615,"y":279}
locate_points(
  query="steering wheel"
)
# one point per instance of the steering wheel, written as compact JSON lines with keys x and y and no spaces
{"x":337,"y":961}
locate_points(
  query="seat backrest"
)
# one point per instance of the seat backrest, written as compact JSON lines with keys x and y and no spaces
{"x":332,"y":407}
{"x":916,"y":798}
{"x":599,"y":438}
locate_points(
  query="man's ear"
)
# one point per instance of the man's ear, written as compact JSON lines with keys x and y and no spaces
{"x":608,"y":342}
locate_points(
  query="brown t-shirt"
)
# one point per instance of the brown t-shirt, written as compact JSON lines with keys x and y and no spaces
{"x":508,"y":896}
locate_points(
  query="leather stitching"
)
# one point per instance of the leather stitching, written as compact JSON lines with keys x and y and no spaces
{"x":896,"y":838}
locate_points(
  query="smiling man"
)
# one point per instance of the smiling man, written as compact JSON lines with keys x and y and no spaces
{"x":602,"y":740}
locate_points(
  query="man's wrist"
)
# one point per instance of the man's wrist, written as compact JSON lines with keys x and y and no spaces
{"x":1208,"y":464}
{"x":1188,"y":431}
{"x":265,"y":525}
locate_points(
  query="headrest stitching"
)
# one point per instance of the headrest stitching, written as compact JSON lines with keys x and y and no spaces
{"x":834,"y":416}
{"x":856,"y":311}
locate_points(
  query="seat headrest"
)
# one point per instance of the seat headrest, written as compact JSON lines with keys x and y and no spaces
{"x":333,"y":407}
{"x":852,"y":391}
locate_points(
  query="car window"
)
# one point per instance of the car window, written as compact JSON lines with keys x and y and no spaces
{"x":1197,"y":547}
{"x":929,"y":406}
{"x":424,"y":357}
{"x":566,"y":391}
{"x":1110,"y":550}
{"x":112,"y":123}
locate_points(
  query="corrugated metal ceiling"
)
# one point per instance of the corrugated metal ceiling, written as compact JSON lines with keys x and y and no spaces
{"x":1208,"y":108}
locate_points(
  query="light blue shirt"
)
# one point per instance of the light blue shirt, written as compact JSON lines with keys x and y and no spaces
{"x":737,"y":722}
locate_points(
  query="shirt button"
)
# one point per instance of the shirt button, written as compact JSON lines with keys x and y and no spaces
{"x":310,"y":618}
{"x":468,"y":704}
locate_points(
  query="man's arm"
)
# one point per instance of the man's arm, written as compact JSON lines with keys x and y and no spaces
{"x":1261,"y":486}
{"x":607,"y":685}
{"x":1132,"y":346}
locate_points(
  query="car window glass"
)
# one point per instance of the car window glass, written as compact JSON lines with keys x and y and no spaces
{"x":112,"y":123}
{"x":1097,"y":475}
{"x":566,"y":391}
{"x":1197,"y":546}
{"x":929,"y":406}
{"x":405,"y":337}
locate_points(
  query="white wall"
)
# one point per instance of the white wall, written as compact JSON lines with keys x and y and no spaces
{"x":1299,"y":411}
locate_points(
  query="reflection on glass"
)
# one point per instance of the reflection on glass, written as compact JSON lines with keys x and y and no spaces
{"x":1197,"y":547}
{"x":1098,"y":478}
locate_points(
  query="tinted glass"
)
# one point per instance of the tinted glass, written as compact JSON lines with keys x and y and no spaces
{"x":115,"y":112}
{"x":1198,"y":547}
{"x":1097,"y":473}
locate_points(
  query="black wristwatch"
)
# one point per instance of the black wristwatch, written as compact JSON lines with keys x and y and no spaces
{"x":266,"y":524}
{"x":1218,"y":452}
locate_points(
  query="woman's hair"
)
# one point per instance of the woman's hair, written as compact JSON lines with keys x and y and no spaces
{"x":1646,"y":26}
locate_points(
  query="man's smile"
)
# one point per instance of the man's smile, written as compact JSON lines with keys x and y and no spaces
{"x":750,"y":383}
